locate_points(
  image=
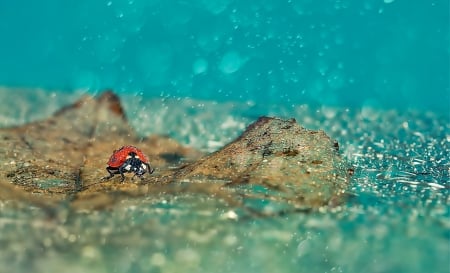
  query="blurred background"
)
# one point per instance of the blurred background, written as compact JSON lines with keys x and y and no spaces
{"x":347,"y":53}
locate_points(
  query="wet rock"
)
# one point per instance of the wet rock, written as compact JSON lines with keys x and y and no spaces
{"x":57,"y":158}
{"x":276,"y":159}
{"x":274,"y":162}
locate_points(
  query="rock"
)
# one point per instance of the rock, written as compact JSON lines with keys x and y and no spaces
{"x":280,"y":157}
{"x":57,"y":158}
{"x":63,"y":158}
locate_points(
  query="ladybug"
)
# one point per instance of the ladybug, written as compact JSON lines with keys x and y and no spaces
{"x":128,"y":159}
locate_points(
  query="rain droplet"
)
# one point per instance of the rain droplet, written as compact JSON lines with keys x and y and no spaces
{"x":230,"y":63}
{"x":335,"y":80}
{"x":200,"y":66}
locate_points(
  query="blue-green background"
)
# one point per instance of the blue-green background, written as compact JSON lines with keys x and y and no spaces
{"x":385,"y":54}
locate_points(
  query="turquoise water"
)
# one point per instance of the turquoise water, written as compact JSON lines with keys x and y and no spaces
{"x":373,"y":74}
{"x":388,"y":54}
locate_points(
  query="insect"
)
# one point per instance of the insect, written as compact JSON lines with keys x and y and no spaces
{"x":128,"y":159}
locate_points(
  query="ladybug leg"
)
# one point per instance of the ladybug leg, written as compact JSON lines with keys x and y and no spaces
{"x":150,"y":170}
{"x":111,"y":172}
{"x":121,"y":173}
{"x":136,"y":174}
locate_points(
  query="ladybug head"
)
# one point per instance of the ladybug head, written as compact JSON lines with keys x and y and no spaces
{"x":134,"y":164}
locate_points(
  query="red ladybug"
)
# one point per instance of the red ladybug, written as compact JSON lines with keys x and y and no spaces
{"x":128,"y":159}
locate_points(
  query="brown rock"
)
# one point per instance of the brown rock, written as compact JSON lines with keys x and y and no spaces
{"x":57,"y":158}
{"x":64,"y":157}
{"x":279,"y":157}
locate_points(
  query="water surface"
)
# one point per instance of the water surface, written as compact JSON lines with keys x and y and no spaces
{"x":396,"y":218}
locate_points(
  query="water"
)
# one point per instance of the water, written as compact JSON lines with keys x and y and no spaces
{"x":347,"y":53}
{"x":372,"y":74}
{"x":396,"y":220}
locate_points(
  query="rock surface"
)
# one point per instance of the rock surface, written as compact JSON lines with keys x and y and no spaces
{"x":63,"y":158}
{"x":273,"y":155}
